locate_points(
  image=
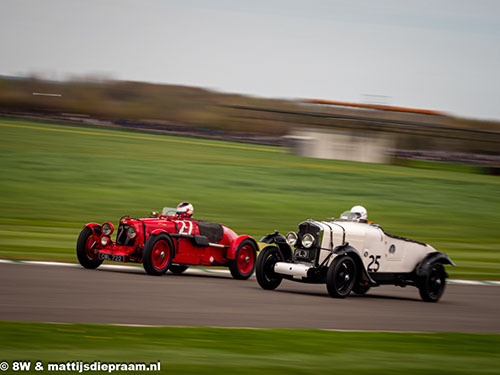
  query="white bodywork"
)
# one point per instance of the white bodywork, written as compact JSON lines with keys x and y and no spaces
{"x":380,"y":252}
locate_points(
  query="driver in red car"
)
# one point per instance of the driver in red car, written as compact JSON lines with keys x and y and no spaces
{"x":184,"y":210}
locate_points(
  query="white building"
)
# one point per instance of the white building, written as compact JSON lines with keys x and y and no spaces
{"x":341,"y":145}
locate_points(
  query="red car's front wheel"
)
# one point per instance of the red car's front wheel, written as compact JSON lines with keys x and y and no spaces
{"x":157,"y":254}
{"x":86,"y":249}
{"x":243,"y":265}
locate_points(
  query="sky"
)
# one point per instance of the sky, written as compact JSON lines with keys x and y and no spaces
{"x":431,"y":54}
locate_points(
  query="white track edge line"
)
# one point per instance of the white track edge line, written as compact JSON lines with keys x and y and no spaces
{"x":205,"y":271}
{"x":135,"y":325}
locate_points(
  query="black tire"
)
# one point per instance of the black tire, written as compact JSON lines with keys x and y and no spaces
{"x":341,"y":277}
{"x":266,"y":277}
{"x":86,"y":249}
{"x":360,"y":288}
{"x":177,"y":268}
{"x":431,"y":286}
{"x":243,"y":265}
{"x":157,"y":254}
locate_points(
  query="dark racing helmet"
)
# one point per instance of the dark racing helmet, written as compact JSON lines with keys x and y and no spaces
{"x":184,"y":209}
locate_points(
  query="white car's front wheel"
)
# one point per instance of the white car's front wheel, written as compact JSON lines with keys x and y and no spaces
{"x":266,"y":277}
{"x":341,"y":276}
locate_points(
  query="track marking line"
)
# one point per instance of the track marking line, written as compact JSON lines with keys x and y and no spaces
{"x":242,"y":328}
{"x":190,"y":271}
{"x":202,"y":271}
{"x":41,"y":263}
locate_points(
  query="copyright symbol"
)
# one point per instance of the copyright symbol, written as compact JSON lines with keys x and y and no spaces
{"x":4,"y":366}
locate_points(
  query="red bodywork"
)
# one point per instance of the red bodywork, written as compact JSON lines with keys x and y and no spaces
{"x":183,"y":232}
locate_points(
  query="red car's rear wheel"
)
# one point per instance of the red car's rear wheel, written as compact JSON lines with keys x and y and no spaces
{"x":86,"y":249}
{"x":157,"y":254}
{"x":243,"y":265}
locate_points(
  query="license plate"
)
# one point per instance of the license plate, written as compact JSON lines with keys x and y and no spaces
{"x":302,"y":253}
{"x":114,"y":258}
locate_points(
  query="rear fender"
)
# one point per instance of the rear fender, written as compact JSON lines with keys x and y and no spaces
{"x":424,"y":267}
{"x":231,"y":252}
{"x":96,"y":229}
{"x":354,"y":254}
{"x":280,"y":240}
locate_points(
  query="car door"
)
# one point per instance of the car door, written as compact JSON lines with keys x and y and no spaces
{"x":187,"y":253}
{"x":373,"y":254}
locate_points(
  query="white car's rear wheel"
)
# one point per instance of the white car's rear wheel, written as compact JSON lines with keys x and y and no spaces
{"x":431,"y":286}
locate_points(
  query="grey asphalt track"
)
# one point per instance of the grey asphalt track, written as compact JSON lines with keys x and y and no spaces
{"x":66,"y":294}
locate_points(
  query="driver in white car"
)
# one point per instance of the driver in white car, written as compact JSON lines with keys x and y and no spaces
{"x":359,"y":213}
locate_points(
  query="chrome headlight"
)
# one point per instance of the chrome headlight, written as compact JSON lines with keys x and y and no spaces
{"x":104,"y":241}
{"x":291,"y":238}
{"x":307,"y":240}
{"x":107,"y":228}
{"x":131,"y":232}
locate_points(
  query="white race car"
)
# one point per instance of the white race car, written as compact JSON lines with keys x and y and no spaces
{"x":351,"y":254}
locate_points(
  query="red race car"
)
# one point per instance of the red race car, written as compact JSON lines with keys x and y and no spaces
{"x":172,"y":240}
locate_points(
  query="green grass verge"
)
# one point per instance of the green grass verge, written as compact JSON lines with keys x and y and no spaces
{"x":55,"y":178}
{"x":185,"y":350}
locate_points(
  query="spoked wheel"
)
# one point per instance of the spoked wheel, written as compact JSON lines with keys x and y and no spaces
{"x":243,"y":265}
{"x":431,"y":286}
{"x":157,"y":254}
{"x":86,"y":249}
{"x":341,"y":277}
{"x":266,"y":277}
{"x":177,"y":268}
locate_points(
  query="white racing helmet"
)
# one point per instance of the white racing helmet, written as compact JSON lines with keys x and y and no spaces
{"x":359,"y":213}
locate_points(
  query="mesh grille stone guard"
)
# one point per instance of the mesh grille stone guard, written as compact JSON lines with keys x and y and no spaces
{"x":121,"y":236}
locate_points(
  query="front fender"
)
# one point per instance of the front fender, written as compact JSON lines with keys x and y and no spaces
{"x":354,"y":254}
{"x":423,"y":268}
{"x":280,"y":240}
{"x":273,"y":238}
{"x":231,"y":253}
{"x":95,"y":227}
{"x":156,"y":232}
{"x":159,"y":231}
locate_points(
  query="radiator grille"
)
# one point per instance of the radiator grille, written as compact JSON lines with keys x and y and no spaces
{"x":121,"y":236}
